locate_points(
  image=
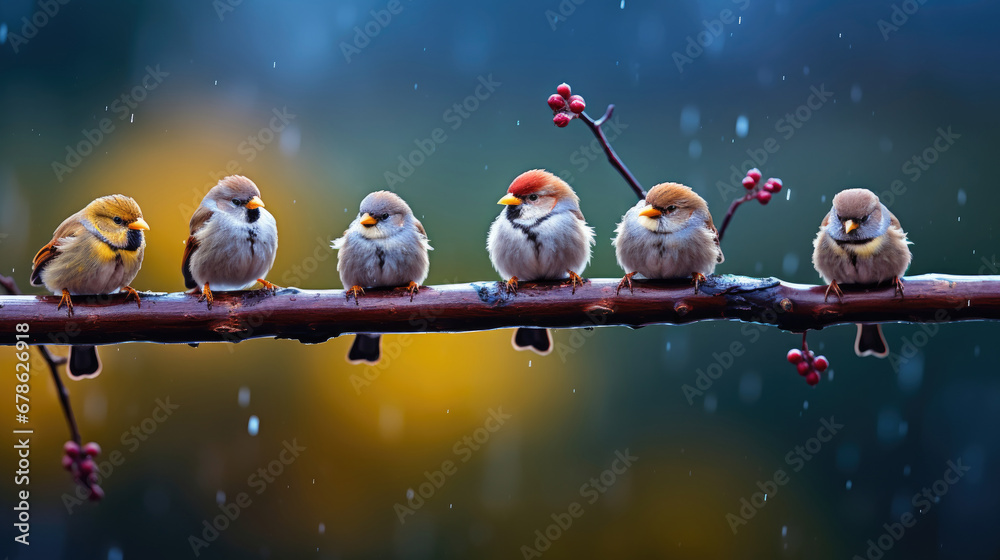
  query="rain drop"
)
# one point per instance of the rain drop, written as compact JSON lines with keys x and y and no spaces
{"x":784,"y":530}
{"x":848,"y":485}
{"x":742,"y":126}
{"x":243,"y":397}
{"x":961,"y":197}
{"x":253,"y":426}
{"x":322,"y":528}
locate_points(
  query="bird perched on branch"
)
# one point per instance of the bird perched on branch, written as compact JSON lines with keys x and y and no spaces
{"x":670,"y":234}
{"x":98,"y":250}
{"x":861,"y":242}
{"x":385,"y":246}
{"x":540,"y":235}
{"x":233,"y":240}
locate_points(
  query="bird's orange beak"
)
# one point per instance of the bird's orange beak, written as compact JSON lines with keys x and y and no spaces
{"x":650,"y":212}
{"x":139,"y":223}
{"x":368,"y":220}
{"x":510,"y":200}
{"x":255,"y":202}
{"x":850,"y":225}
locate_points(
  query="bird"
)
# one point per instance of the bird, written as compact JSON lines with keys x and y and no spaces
{"x":861,"y":242}
{"x":233,"y":240}
{"x":539,"y":235}
{"x":670,"y":234}
{"x":385,"y":246}
{"x":98,"y":250}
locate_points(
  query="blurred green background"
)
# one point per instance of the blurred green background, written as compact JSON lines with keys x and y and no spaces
{"x":187,"y":92}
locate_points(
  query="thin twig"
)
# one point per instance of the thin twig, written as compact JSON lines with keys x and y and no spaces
{"x":616,"y":162}
{"x":732,"y":209}
{"x":53,"y":362}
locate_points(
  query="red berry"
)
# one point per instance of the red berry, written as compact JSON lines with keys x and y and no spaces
{"x":561,"y":119}
{"x":821,"y":363}
{"x":92,"y":449}
{"x":563,"y":90}
{"x":770,"y":187}
{"x":556,"y":102}
{"x":71,"y":449}
{"x":87,"y":466}
{"x":794,"y":355}
{"x":812,"y":378}
{"x":803,"y":367}
{"x":764,"y":197}
{"x":755,"y":174}
{"x":749,"y":183}
{"x":67,"y":462}
{"x":577,"y":104}
{"x":776,"y":182}
{"x":96,"y":493}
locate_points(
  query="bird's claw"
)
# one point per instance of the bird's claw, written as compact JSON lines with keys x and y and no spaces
{"x":697,"y":278}
{"x":833,"y":287}
{"x":626,"y":281}
{"x":268,"y":286}
{"x":510,"y":286}
{"x":131,"y":292}
{"x":897,"y":283}
{"x":67,"y":301}
{"x":206,"y":295}
{"x":354,"y":291}
{"x":412,"y":289}
{"x":575,"y":279}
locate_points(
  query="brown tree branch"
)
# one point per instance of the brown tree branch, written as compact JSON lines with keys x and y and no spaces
{"x":313,"y":316}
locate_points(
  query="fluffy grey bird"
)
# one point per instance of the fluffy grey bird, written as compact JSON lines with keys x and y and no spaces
{"x":861,"y":242}
{"x":233,"y":240}
{"x":670,"y":234}
{"x":385,"y":246}
{"x":540,"y":235}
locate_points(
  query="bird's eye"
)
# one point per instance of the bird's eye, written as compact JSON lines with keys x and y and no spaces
{"x":532,"y":197}
{"x":236,"y":202}
{"x":865,"y":219}
{"x":385,"y":216}
{"x":671,"y":208}
{"x":118,"y":220}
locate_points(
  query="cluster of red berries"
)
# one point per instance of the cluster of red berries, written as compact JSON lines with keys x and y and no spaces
{"x":763,"y":194}
{"x":808,"y":364}
{"x":565,"y":106}
{"x":80,"y":462}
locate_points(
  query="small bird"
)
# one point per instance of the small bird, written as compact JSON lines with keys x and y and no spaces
{"x":385,"y":246}
{"x":233,"y":240}
{"x":861,"y":242}
{"x":98,"y":250}
{"x":540,"y":235}
{"x":670,"y":234}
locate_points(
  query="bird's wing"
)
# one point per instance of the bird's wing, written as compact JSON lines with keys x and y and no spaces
{"x":423,"y":234}
{"x":71,"y":227}
{"x":719,"y":258}
{"x":198,"y":220}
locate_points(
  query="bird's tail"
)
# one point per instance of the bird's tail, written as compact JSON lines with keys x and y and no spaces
{"x":534,"y":339}
{"x":366,"y":349}
{"x":83,"y":363}
{"x":870,"y":341}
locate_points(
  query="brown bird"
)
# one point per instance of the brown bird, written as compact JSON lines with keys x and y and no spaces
{"x":98,"y":250}
{"x":670,"y":234}
{"x":233,"y":240}
{"x":861,"y":242}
